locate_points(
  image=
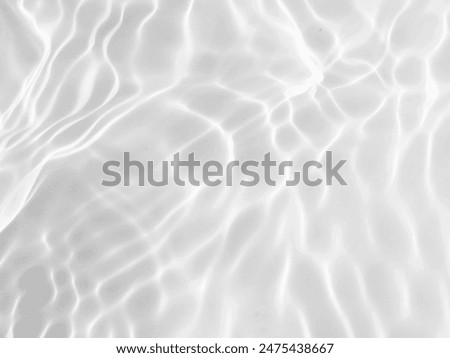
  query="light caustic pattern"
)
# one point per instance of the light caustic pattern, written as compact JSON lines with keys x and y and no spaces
{"x":84,"y":81}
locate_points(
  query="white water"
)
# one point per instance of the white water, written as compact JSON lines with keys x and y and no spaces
{"x":84,"y":81}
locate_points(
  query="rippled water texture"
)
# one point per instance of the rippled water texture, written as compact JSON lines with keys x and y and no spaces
{"x":84,"y":81}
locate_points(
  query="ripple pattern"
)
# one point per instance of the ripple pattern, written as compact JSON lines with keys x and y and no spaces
{"x":82,"y":81}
